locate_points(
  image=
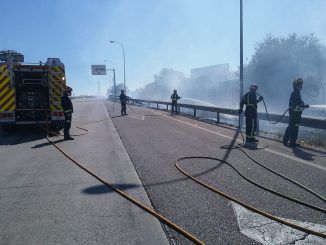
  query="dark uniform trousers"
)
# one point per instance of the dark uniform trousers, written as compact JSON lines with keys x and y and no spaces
{"x":250,"y":100}
{"x":251,"y":123}
{"x":174,"y":107}
{"x":292,"y":130}
{"x":123,"y":108}
{"x":67,"y":125}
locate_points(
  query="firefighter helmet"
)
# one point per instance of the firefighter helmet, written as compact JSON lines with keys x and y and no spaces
{"x":174,"y":91}
{"x":254,"y":86}
{"x":297,"y":82}
{"x":67,"y":89}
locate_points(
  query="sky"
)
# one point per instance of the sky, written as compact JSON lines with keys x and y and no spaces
{"x":156,"y":34}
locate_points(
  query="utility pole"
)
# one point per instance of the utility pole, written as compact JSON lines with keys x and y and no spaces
{"x":241,"y":51}
{"x":124,"y":63}
{"x":241,"y":56}
{"x":114,"y":84}
{"x":98,"y":87}
{"x":324,"y":93}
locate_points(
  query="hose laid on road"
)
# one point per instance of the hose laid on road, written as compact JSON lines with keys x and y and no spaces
{"x":125,"y":195}
{"x":240,"y":147}
{"x":187,"y":234}
{"x":256,"y":210}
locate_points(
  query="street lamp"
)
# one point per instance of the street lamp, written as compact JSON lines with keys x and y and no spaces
{"x":114,"y":83}
{"x":124,"y":63}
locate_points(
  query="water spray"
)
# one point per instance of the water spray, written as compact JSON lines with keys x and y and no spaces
{"x":199,"y":102}
{"x":317,"y":107}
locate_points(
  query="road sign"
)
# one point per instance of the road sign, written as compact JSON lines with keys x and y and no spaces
{"x":98,"y":70}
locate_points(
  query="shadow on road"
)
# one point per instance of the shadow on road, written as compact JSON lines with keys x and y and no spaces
{"x":47,"y":143}
{"x":303,"y":154}
{"x":220,"y":163}
{"x":20,"y":134}
{"x":116,"y":116}
{"x":103,"y":189}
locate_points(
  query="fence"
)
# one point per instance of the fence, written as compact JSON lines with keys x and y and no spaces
{"x":312,"y":122}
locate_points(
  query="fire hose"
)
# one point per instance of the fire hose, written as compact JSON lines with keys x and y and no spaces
{"x":187,"y":234}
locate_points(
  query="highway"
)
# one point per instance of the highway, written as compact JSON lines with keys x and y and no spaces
{"x":45,"y":198}
{"x":155,"y":139}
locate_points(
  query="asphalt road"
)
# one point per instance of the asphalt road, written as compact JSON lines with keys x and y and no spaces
{"x":155,"y":139}
{"x":46,"y":199}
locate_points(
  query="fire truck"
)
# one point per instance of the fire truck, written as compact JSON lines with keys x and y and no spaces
{"x":30,"y":93}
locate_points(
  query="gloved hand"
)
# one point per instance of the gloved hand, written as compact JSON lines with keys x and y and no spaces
{"x":240,"y":111}
{"x":260,"y":98}
{"x":306,"y":106}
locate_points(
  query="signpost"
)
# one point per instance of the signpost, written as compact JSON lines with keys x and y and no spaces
{"x":98,"y":69}
{"x":101,"y":70}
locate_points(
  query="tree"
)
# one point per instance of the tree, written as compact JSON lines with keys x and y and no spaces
{"x":163,"y":85}
{"x":277,"y":61}
{"x":119,"y":87}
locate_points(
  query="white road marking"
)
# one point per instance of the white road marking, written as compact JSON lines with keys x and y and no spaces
{"x":139,"y":118}
{"x":240,"y":141}
{"x":267,"y":231}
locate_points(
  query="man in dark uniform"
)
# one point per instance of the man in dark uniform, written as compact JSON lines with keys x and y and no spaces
{"x":123,"y":101}
{"x":68,"y":110}
{"x":250,"y":100}
{"x":175,"y":97}
{"x":296,"y":106}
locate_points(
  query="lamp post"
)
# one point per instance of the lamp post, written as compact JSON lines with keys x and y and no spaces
{"x":115,"y":87}
{"x":124,"y":63}
{"x":114,"y":83}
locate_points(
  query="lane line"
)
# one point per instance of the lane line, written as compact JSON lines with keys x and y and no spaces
{"x":240,"y":141}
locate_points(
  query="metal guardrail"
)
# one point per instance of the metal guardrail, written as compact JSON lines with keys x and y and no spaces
{"x":312,"y":122}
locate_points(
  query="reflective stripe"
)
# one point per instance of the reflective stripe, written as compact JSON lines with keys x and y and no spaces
{"x":252,"y":127}
{"x":68,"y":111}
{"x":248,"y":104}
{"x":297,"y":108}
{"x":297,"y":125}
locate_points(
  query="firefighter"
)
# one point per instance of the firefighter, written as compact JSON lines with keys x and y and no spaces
{"x":296,"y":106}
{"x":123,"y":101}
{"x":250,"y":100}
{"x":68,"y":110}
{"x":175,"y":97}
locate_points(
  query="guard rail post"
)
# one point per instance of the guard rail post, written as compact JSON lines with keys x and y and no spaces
{"x":156,"y":105}
{"x":195,"y":114}
{"x":217,"y":117}
{"x":312,"y":122}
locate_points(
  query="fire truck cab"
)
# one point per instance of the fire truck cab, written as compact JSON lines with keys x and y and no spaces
{"x":30,"y":93}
